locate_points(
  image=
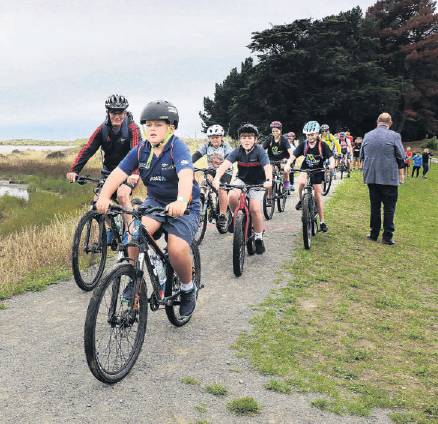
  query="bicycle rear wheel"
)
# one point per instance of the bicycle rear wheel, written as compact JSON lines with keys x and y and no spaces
{"x":114,"y":329}
{"x":268,"y":211}
{"x":200,"y":233}
{"x":173,"y":285}
{"x":89,"y":250}
{"x":307,"y":220}
{"x":239,"y":244}
{"x":328,"y":177}
{"x":281,"y":197}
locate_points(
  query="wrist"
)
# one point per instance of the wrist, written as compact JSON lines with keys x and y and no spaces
{"x":182,"y":199}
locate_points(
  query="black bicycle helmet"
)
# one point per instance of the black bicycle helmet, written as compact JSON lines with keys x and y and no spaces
{"x":248,"y":129}
{"x":116,"y":102}
{"x":160,"y":110}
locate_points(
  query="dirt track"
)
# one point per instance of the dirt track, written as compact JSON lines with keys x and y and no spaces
{"x":45,"y":379}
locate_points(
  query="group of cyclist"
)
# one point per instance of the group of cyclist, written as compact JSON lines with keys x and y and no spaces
{"x":165,"y":165}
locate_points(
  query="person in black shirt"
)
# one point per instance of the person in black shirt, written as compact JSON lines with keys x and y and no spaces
{"x":253,"y":168}
{"x":315,"y":152}
{"x":279,"y":149}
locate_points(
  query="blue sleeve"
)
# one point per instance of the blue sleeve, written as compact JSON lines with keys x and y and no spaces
{"x":203,"y":149}
{"x":182,"y":157}
{"x":130,"y":162}
{"x":232,"y":157}
{"x":285,"y":143}
{"x":263,"y":156}
{"x":299,"y":151}
{"x":227,"y":149}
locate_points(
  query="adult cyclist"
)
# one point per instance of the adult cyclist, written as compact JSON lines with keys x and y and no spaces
{"x":279,"y":149}
{"x":116,"y":136}
{"x":217,"y":150}
{"x":330,"y":139}
{"x":315,"y":153}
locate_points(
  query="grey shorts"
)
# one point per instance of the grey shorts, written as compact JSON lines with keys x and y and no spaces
{"x":256,"y":194}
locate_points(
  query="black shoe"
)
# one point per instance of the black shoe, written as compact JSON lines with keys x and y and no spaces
{"x":371,"y":238}
{"x":222,"y":222}
{"x":389,"y":242}
{"x":260,"y":246}
{"x":188,"y":302}
{"x":298,"y":206}
{"x":323,"y":227}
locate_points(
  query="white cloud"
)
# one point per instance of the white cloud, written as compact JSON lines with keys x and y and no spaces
{"x":61,"y":59}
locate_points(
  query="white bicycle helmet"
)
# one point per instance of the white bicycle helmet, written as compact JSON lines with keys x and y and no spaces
{"x":215,"y":130}
{"x":311,"y":127}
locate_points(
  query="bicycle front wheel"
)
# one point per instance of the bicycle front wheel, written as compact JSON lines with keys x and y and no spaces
{"x":173,"y":285}
{"x":115,"y":324}
{"x":328,"y":176}
{"x":268,"y":209}
{"x":89,"y":250}
{"x":281,"y":197}
{"x":200,"y":233}
{"x":239,"y":244}
{"x":307,"y":220}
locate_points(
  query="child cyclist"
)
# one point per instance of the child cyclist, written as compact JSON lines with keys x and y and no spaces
{"x":217,"y":150}
{"x":253,"y":168}
{"x":315,"y":152}
{"x":166,"y":170}
{"x":279,"y":149}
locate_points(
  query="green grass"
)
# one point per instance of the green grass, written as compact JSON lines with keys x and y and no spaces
{"x":278,"y":386}
{"x":244,"y":406}
{"x":192,"y":381}
{"x":201,"y":408}
{"x":39,"y":279}
{"x":357,"y":319}
{"x":216,"y":389}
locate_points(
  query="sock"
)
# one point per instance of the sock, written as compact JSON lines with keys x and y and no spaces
{"x":187,"y":286}
{"x":321,"y":222}
{"x":258,"y":236}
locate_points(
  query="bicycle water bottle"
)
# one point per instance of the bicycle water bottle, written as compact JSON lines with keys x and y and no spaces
{"x":159,"y":270}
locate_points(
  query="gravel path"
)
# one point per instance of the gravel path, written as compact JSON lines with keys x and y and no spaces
{"x":45,"y":379}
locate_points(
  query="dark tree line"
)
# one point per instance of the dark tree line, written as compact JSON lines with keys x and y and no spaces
{"x":342,"y":70}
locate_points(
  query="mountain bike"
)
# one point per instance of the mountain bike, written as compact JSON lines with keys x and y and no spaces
{"x":243,"y":234}
{"x":210,"y":208}
{"x":344,"y":166}
{"x":327,"y":181}
{"x":309,"y":216}
{"x":115,"y":324}
{"x":279,"y":194}
{"x":90,"y":243}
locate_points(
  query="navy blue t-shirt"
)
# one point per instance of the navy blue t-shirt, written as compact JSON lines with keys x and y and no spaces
{"x":161,"y":176}
{"x":277,"y":151}
{"x":250,"y":165}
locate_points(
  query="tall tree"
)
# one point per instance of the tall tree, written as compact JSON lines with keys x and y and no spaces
{"x":408,"y":33}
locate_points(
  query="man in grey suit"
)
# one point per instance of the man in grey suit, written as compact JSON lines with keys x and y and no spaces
{"x":382,"y":154}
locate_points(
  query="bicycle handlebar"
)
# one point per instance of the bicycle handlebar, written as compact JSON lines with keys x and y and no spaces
{"x":83,"y":179}
{"x":242,"y":187}
{"x":308,"y":171}
{"x":139,"y":212}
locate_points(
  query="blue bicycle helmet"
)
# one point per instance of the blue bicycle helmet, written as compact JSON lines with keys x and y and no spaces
{"x":311,"y":127}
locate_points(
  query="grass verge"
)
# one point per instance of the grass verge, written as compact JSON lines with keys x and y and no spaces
{"x":357,"y":319}
{"x":244,"y":406}
{"x":216,"y":389}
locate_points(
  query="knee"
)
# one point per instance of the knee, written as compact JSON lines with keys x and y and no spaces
{"x":122,"y":197}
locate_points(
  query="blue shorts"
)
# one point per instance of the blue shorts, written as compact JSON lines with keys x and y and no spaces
{"x":184,"y":227}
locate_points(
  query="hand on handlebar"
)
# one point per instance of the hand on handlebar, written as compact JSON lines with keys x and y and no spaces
{"x":267,"y":184}
{"x":133,"y":179}
{"x":71,"y":176}
{"x":102,"y":205}
{"x":176,"y":209}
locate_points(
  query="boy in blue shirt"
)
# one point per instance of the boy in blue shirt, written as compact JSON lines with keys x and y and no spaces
{"x":417,"y":160}
{"x":166,"y":169}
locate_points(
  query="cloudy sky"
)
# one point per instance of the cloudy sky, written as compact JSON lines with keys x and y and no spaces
{"x":61,"y":59}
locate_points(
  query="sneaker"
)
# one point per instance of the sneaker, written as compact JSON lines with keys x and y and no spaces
{"x":222,"y":221}
{"x":298,"y":206}
{"x":371,"y":238}
{"x":286,"y":185}
{"x":323,"y":227}
{"x":260,"y":246}
{"x":389,"y":242}
{"x":128,"y":292}
{"x":109,"y":236}
{"x":250,"y":247}
{"x":188,"y":302}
